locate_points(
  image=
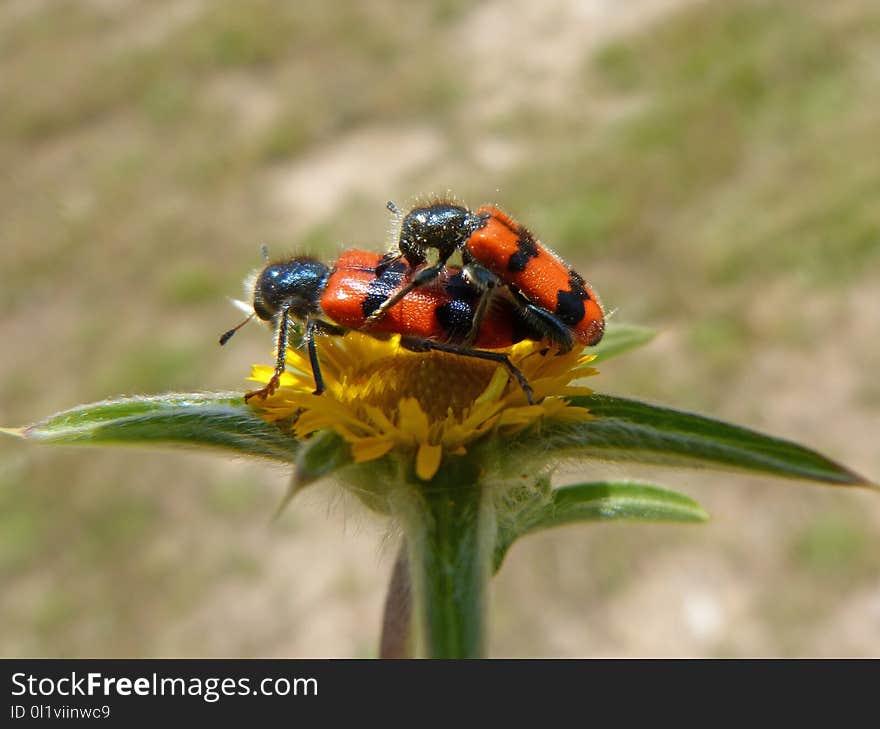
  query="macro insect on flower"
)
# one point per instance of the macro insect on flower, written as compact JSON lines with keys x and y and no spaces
{"x":430,"y":319}
{"x":417,"y":396}
{"x":445,"y":398}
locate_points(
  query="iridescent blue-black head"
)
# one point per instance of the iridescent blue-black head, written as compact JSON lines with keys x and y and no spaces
{"x":296,"y":285}
{"x":442,"y":226}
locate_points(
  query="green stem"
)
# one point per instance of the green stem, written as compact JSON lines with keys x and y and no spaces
{"x":451,"y":531}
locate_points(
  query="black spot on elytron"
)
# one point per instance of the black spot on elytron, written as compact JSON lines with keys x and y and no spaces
{"x":371,"y":302}
{"x":569,"y":307}
{"x":392,"y":270}
{"x":526,"y":249}
{"x":389,"y":262}
{"x":382,"y":287}
{"x":577,"y":284}
{"x":455,"y":318}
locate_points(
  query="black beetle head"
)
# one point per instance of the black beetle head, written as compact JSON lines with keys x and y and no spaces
{"x":296,"y":284}
{"x":443,"y":226}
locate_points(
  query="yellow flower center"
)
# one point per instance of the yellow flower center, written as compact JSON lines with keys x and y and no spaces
{"x":380,"y":398}
{"x":439,"y":382}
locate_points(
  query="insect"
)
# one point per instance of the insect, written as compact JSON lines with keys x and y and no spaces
{"x":497,"y":251}
{"x":333,"y":301}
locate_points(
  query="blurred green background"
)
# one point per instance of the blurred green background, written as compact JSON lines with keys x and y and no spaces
{"x":711,"y":167}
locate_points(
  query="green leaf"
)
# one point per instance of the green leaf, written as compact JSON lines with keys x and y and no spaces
{"x":219,"y":420}
{"x":629,"y":430}
{"x":620,"y":338}
{"x":621,"y":500}
{"x":598,"y":501}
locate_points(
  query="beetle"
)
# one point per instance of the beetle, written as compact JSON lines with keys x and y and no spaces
{"x":334,"y":300}
{"x":496,"y":251}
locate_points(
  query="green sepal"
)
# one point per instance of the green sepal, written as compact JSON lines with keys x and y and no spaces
{"x":319,"y":456}
{"x":215,"y":420}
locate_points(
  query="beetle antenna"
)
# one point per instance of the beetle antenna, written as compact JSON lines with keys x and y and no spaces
{"x":228,"y":335}
{"x":392,"y":207}
{"x":264,"y":250}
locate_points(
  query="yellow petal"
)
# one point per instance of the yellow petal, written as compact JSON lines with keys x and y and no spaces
{"x":333,"y":358}
{"x":273,"y":410}
{"x":572,"y":414}
{"x":379,"y":419}
{"x":412,"y":420}
{"x":428,"y":460}
{"x":457,"y":435}
{"x":552,"y":385}
{"x":297,"y":361}
{"x":495,"y":388}
{"x":524,"y":349}
{"x":521,"y":415}
{"x":261,"y":373}
{"x":572,"y":390}
{"x":480,"y":413}
{"x":331,"y":417}
{"x":368,"y":449}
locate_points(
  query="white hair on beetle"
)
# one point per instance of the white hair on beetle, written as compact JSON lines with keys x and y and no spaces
{"x":250,"y":286}
{"x":243,"y":306}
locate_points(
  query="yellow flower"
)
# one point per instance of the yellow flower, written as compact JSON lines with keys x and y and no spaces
{"x":381,"y":397}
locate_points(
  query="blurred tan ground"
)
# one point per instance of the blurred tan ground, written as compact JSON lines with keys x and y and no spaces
{"x":709,"y":166}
